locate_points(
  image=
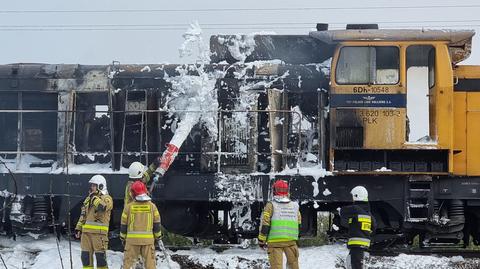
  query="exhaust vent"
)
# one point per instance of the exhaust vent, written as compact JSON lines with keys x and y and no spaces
{"x":322,"y":26}
{"x":362,"y":26}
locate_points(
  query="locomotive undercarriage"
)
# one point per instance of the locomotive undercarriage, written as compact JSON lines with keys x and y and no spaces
{"x":448,"y":215}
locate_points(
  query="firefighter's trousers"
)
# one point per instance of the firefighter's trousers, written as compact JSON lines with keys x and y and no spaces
{"x":94,"y":244}
{"x":134,"y":252}
{"x":356,"y":258}
{"x":275,"y":256}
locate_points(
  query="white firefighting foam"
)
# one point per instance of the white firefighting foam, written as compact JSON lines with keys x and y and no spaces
{"x":241,"y":46}
{"x":192,"y":98}
{"x":193,"y":90}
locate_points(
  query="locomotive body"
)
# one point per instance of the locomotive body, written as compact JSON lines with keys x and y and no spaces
{"x":387,"y":109}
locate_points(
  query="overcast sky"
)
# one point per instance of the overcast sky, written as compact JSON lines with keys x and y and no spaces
{"x":67,"y":37}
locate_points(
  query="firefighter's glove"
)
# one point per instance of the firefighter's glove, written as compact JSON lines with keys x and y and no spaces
{"x":78,"y":234}
{"x":262,"y":244}
{"x":156,"y":177}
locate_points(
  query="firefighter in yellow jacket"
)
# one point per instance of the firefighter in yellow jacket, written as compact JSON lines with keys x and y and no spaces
{"x":137,"y":172}
{"x":140,"y":227}
{"x":279,"y":228}
{"x":92,"y":227}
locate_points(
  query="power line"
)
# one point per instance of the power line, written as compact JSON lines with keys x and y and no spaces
{"x":216,"y":28}
{"x":239,"y":9}
{"x":312,"y":24}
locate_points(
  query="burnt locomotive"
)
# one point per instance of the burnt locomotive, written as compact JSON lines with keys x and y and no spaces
{"x":282,"y":112}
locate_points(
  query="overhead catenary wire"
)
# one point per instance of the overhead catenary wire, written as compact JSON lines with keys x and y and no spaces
{"x":168,"y":25}
{"x":239,"y":9}
{"x":219,"y":28}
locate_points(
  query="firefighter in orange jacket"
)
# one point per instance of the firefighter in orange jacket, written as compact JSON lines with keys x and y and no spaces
{"x":140,"y":227}
{"x":92,"y":227}
{"x":279,"y":228}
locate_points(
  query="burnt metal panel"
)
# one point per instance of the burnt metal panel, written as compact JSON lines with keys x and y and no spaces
{"x":181,"y":187}
{"x":349,"y":137}
{"x":348,"y":129}
{"x":293,"y":49}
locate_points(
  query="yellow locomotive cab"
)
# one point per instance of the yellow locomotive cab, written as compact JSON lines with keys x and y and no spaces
{"x":393,"y":106}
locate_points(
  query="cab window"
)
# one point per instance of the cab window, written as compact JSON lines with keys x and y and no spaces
{"x":368,"y":65}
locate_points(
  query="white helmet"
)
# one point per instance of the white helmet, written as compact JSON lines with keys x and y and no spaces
{"x":360,"y":194}
{"x":101,"y":183}
{"x":135,"y":170}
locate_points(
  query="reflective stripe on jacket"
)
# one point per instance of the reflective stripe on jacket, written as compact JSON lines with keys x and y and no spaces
{"x":140,"y":223}
{"x":358,"y":241}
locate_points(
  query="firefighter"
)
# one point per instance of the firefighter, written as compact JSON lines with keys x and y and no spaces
{"x":137,"y":172}
{"x":280,"y":227}
{"x":360,"y":225}
{"x":140,"y":228}
{"x":92,"y":227}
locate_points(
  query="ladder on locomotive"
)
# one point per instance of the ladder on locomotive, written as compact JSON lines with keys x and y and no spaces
{"x":134,"y":122}
{"x":418,"y":199}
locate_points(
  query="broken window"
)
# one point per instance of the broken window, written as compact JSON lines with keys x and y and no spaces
{"x":235,"y":139}
{"x":92,"y":127}
{"x":34,"y":132}
{"x":9,"y":123}
{"x":368,"y":65}
{"x":39,"y":128}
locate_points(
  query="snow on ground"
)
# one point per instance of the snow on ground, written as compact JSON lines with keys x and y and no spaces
{"x":27,"y":252}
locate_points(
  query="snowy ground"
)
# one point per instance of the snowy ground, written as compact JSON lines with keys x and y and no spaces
{"x":43,"y":254}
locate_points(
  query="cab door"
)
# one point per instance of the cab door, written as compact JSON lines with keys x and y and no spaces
{"x":473,"y":133}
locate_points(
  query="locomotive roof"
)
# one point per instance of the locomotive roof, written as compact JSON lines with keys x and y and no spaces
{"x":454,"y":37}
{"x":459,"y":41}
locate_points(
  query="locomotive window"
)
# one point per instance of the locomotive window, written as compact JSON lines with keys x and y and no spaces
{"x":39,"y":129}
{"x":9,"y":122}
{"x":368,"y":65}
{"x":92,"y":127}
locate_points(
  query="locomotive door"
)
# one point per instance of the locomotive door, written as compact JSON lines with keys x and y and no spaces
{"x":420,"y":92}
{"x":473,"y":132}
